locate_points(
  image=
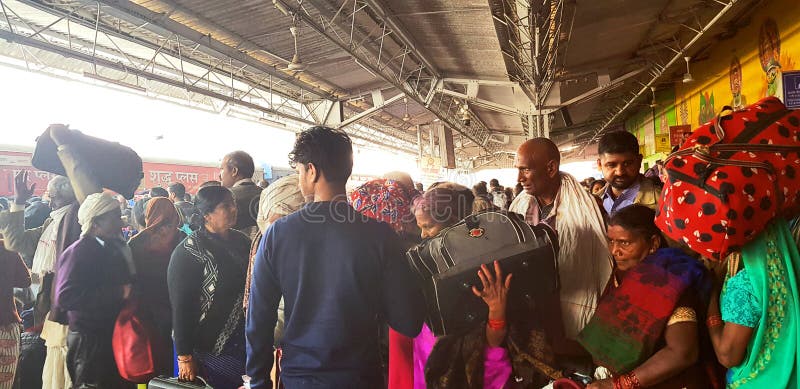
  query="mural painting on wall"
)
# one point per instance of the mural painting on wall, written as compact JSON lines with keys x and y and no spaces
{"x":773,"y":61}
{"x":739,"y":101}
{"x":707,"y":111}
{"x":736,"y":72}
{"x":769,"y":51}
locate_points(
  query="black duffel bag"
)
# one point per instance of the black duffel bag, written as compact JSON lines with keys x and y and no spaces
{"x":114,"y":166}
{"x":448,"y":267}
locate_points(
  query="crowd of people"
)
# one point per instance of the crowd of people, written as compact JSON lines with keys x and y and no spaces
{"x":305,"y":283}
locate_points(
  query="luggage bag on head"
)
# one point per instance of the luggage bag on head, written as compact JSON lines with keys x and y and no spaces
{"x":731,"y":177}
{"x":448,"y":268}
{"x":114,"y":166}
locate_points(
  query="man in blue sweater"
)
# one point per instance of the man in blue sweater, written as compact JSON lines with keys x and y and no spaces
{"x":342,"y":276}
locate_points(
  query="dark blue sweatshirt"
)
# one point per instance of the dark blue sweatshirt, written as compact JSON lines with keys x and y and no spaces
{"x":341,"y":275}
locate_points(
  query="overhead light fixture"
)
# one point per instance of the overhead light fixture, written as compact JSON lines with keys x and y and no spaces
{"x":568,"y":148}
{"x":272,"y":122}
{"x":406,"y":117}
{"x":115,"y":82}
{"x":687,"y":78}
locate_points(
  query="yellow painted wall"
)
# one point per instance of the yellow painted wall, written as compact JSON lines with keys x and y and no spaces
{"x":771,"y":42}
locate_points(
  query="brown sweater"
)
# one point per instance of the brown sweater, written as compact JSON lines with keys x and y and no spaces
{"x":13,"y":274}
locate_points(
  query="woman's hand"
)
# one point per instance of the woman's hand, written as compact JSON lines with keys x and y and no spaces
{"x":187,"y":369}
{"x":495,"y":290}
{"x":602,"y":384}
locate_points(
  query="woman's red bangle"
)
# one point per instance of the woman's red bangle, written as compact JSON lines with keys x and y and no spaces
{"x":497,"y":324}
{"x":627,"y":381}
{"x":714,"y":321}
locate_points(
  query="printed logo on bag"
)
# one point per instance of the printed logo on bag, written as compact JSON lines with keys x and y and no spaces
{"x":476,"y":232}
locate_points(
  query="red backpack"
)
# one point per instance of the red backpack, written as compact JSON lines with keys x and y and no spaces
{"x":731,"y":177}
{"x":134,"y":343}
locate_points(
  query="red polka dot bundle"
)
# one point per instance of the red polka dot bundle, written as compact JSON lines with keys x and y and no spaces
{"x":731,"y":177}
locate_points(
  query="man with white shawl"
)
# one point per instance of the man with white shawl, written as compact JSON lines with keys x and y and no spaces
{"x":45,"y":244}
{"x":557,"y":199}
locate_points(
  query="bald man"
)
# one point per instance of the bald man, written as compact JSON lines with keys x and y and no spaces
{"x":557,"y":199}
{"x":538,"y":161}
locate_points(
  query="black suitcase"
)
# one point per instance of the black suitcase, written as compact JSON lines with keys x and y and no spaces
{"x":173,"y":383}
{"x":448,"y":266}
{"x":115,"y":166}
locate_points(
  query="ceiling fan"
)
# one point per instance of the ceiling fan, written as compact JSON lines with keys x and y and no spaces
{"x":688,"y":78}
{"x":296,"y":64}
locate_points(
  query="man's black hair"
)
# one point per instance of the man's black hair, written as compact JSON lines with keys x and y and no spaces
{"x":480,"y":188}
{"x":243,"y":162}
{"x":138,"y":212}
{"x":494,"y":182}
{"x":178,"y":189}
{"x":331,"y":152}
{"x":210,"y":183}
{"x":618,"y":142}
{"x":158,"y":192}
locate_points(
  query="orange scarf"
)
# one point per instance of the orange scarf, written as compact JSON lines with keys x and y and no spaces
{"x":162,"y":221}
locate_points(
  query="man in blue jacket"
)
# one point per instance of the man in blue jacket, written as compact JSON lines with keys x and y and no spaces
{"x":342,"y":276}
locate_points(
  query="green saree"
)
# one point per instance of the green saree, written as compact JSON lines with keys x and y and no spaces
{"x":772,"y":263}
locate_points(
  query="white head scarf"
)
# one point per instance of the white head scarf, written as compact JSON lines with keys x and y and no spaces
{"x":95,"y":205}
{"x":282,"y":197}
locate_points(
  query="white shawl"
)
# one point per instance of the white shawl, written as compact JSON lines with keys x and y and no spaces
{"x":44,"y":259}
{"x":584,"y":262}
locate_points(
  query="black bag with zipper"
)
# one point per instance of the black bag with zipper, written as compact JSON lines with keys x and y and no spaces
{"x":448,"y":268}
{"x":113,"y":165}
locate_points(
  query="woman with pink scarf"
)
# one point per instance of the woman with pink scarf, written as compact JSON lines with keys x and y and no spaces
{"x":474,"y":360}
